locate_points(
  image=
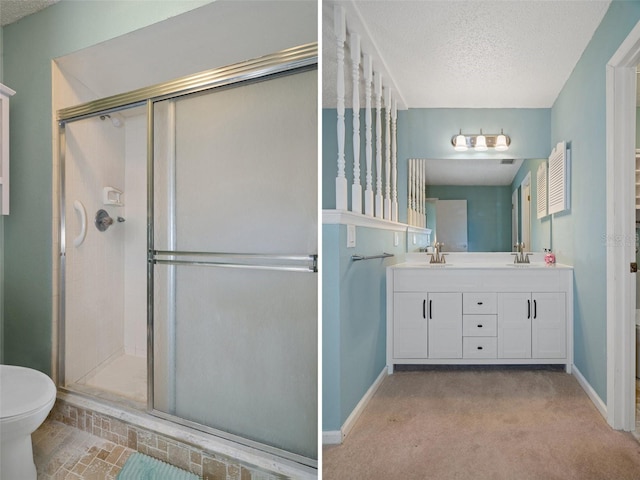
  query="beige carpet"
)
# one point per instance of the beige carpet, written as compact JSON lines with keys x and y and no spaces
{"x":482,"y":423}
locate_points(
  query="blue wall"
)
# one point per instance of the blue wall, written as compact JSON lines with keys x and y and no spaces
{"x":331,"y":294}
{"x":354,"y":317}
{"x":578,"y":116}
{"x":488,"y":214}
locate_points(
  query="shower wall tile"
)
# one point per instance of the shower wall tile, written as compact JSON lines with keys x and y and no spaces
{"x":207,"y":464}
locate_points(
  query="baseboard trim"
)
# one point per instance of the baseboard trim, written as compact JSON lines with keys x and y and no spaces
{"x":334,"y":437}
{"x":591,"y":393}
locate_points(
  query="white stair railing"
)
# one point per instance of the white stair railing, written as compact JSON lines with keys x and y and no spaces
{"x":387,"y":163}
{"x":356,"y":188}
{"x":383,"y":203}
{"x":377,"y":78}
{"x":340,"y":27}
{"x":368,"y":192}
{"x":394,"y":161}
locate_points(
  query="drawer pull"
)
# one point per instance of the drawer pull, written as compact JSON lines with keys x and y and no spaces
{"x":480,"y":348}
{"x":480,"y":326}
{"x":479,"y":303}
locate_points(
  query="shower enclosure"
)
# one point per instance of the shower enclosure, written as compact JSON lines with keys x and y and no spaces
{"x":188,"y":251}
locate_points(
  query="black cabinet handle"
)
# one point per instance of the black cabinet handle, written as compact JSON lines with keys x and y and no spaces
{"x":480,"y":326}
{"x":528,"y":308}
{"x":479,"y":348}
{"x":430,"y":310}
{"x":424,"y":306}
{"x":535,"y":309}
{"x":479,"y":303}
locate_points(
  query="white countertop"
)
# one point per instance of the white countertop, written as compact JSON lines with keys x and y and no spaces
{"x":464,"y":260}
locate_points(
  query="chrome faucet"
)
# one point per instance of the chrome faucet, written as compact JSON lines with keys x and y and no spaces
{"x":520,"y":256}
{"x":437,"y":257}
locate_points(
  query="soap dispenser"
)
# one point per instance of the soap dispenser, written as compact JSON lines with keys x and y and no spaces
{"x":549,"y":257}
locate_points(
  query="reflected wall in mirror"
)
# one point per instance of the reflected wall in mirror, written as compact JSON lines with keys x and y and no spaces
{"x":488,"y":217}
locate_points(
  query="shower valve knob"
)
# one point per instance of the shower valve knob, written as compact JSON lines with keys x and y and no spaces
{"x":103,"y":220}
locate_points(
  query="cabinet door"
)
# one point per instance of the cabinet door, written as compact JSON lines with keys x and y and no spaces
{"x":410,"y":325}
{"x":548,"y":325}
{"x":445,"y":325}
{"x":514,"y":325}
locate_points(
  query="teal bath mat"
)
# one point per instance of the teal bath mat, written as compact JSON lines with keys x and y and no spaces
{"x":143,"y":467}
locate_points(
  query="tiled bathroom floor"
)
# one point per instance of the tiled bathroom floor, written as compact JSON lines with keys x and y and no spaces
{"x":64,"y":452}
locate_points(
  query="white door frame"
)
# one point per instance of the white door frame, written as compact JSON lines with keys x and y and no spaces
{"x":620,"y":239}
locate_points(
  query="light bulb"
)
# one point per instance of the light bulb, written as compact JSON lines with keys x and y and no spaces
{"x":461,"y":143}
{"x":501,"y":142}
{"x":481,"y":142}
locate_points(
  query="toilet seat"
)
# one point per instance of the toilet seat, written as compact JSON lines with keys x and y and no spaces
{"x":24,"y":391}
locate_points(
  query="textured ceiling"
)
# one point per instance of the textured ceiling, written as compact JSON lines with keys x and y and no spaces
{"x":467,"y":54}
{"x":13,"y":10}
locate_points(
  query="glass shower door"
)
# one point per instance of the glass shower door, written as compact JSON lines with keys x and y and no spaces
{"x":233,"y":302}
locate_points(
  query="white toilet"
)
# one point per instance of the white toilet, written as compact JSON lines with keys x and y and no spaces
{"x":26,"y":398}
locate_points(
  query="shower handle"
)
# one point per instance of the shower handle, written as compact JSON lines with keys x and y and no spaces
{"x":83,"y":223}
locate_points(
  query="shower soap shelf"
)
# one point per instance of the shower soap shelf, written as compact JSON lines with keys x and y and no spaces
{"x":112,"y":196}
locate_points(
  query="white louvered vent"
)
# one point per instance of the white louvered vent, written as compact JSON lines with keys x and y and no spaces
{"x":541,"y":200}
{"x":559,"y":179}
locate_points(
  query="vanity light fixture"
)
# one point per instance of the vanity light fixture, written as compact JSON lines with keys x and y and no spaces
{"x":480,"y":142}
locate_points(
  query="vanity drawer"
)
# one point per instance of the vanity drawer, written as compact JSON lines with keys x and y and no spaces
{"x":480,"y":303}
{"x":479,"y":325}
{"x":479,"y":347}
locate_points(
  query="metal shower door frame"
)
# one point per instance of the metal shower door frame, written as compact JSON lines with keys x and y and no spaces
{"x":286,"y":62}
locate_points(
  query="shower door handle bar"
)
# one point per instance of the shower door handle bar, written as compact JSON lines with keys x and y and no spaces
{"x":309,"y":268}
{"x":251,"y":261}
{"x":256,"y":256}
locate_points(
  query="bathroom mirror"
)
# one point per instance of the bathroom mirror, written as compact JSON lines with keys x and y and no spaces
{"x":499,"y":194}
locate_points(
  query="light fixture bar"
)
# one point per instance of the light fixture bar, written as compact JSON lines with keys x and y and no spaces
{"x":491,"y":139}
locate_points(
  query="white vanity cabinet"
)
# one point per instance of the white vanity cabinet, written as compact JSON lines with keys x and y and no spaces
{"x":479,"y":325}
{"x":444,"y":314}
{"x":532,"y":325}
{"x":410,"y":334}
{"x":427,"y":325}
{"x":479,"y":315}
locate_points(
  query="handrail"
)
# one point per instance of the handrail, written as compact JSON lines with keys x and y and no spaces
{"x":356,"y":258}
